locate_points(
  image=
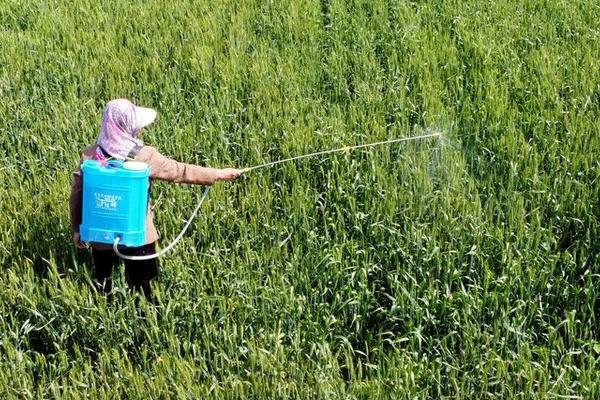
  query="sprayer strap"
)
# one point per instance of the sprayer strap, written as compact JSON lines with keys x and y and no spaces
{"x":134,"y":152}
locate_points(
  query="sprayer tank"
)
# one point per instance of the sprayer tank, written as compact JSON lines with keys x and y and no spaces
{"x":115,"y":202}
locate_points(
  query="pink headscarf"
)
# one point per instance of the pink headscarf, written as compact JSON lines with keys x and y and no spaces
{"x":121,"y":124}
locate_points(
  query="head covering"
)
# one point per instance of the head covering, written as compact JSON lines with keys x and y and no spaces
{"x":121,"y":124}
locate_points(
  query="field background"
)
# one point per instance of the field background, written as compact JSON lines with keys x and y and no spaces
{"x":466,"y":267}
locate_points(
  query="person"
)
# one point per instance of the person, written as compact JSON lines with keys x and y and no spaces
{"x":118,"y":139}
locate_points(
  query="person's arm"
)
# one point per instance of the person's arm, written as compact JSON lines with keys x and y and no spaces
{"x":167,"y":169}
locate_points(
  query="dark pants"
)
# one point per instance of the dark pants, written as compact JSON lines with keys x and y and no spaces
{"x":138,"y":273}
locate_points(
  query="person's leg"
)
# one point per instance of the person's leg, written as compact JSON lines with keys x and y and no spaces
{"x":140,"y":273}
{"x":104,"y":261}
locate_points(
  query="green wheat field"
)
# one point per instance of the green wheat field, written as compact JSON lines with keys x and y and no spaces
{"x":461,"y":267}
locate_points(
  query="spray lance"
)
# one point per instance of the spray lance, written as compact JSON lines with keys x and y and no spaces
{"x":118,"y":238}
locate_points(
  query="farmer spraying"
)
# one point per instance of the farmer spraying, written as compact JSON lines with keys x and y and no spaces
{"x":118,"y":140}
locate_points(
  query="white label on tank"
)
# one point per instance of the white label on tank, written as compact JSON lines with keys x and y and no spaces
{"x":107,"y":201}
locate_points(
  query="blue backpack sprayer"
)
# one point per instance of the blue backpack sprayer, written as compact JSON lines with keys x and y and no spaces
{"x":115,"y":199}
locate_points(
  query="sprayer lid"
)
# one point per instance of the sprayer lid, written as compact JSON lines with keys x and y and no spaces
{"x":135,"y":165}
